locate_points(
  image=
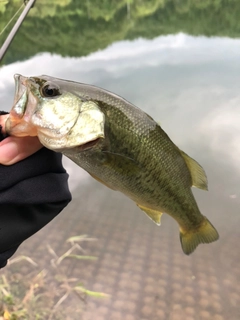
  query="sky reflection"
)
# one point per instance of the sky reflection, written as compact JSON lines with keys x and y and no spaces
{"x":190,"y":85}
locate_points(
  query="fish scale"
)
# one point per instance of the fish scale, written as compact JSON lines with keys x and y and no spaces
{"x":118,"y":144}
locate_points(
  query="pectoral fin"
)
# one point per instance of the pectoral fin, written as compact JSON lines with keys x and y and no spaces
{"x":103,"y":182}
{"x":199,"y":178}
{"x":152,"y":214}
{"x":121,"y":163}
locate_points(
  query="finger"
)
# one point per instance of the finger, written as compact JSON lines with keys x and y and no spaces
{"x":13,"y":149}
{"x":3,"y":119}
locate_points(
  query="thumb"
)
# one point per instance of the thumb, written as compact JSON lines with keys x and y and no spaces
{"x":14,"y":149}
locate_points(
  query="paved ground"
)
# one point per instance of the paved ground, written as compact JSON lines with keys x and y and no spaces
{"x":140,"y":265}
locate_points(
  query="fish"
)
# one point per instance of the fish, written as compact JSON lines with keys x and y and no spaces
{"x":118,"y":144}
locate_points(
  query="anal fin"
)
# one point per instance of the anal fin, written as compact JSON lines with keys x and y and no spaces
{"x":152,"y":214}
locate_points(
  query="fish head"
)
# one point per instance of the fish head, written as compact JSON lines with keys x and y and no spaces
{"x":61,"y":118}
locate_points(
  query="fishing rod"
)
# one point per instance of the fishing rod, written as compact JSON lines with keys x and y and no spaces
{"x":14,"y":30}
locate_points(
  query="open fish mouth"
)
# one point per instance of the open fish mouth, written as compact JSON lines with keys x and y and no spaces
{"x":21,"y":97}
{"x":18,"y":123}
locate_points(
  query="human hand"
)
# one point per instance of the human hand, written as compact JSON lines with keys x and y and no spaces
{"x":14,"y":149}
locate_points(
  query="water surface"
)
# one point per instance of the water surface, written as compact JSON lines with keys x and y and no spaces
{"x":190,"y":85}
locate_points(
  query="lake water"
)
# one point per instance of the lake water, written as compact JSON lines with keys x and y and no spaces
{"x":190,"y":85}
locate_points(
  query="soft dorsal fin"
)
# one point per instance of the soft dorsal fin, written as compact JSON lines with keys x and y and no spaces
{"x":199,"y":178}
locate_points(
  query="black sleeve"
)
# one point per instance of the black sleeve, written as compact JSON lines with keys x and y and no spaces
{"x":32,"y":192}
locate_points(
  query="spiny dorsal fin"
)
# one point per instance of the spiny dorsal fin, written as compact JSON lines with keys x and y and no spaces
{"x":152,"y":214}
{"x":199,"y":178}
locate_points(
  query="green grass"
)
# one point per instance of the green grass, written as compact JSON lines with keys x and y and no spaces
{"x":47,"y":294}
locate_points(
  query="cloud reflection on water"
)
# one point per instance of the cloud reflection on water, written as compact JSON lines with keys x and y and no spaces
{"x":188,"y":84}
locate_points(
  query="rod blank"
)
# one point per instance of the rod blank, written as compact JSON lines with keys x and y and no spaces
{"x":14,"y":30}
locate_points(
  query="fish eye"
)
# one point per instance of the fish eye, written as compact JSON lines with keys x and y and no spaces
{"x":50,"y":91}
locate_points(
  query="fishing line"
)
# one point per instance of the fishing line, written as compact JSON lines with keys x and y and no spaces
{"x":11,"y":19}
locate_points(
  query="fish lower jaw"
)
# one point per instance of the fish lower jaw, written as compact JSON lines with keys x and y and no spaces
{"x":80,"y":148}
{"x":61,"y":144}
{"x":88,"y":145}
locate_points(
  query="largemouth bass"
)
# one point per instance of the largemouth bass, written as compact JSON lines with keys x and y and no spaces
{"x":117,"y":144}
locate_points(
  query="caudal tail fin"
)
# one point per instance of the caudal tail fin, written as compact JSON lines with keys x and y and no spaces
{"x":206,"y":233}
